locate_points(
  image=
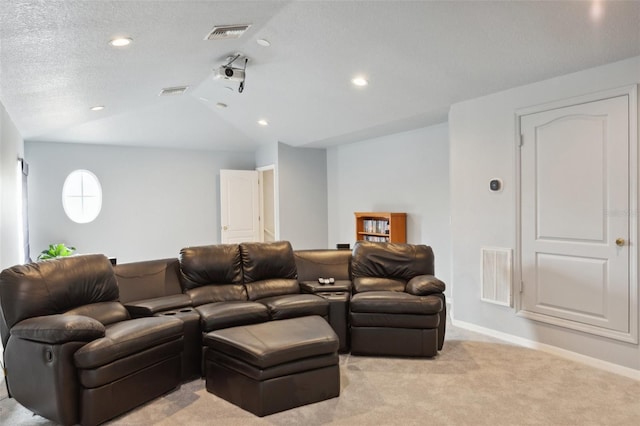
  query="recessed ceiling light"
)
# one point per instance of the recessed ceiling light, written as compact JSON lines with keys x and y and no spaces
{"x":121,"y":41}
{"x":597,"y":10}
{"x":263,"y":122}
{"x":97,"y":108}
{"x":360,"y":81}
{"x":221,"y":105}
{"x":263,"y":42}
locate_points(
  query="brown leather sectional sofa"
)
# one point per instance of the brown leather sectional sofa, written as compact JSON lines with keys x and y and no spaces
{"x":85,"y":342}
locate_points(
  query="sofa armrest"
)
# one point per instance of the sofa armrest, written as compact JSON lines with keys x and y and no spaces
{"x":150,"y":307}
{"x":424,"y":285}
{"x":57,"y":329}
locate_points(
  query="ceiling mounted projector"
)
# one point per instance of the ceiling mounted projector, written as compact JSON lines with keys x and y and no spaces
{"x":228,"y":72}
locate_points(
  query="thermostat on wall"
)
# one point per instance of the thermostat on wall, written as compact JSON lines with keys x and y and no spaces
{"x":495,"y":185}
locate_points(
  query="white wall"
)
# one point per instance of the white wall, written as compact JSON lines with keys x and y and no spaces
{"x":11,"y":147}
{"x":302,"y":194}
{"x":483,"y":146}
{"x":405,"y":172}
{"x":155,"y":201}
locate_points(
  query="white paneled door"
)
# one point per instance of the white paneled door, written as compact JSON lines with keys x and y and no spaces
{"x":239,"y":206}
{"x":575,"y":206}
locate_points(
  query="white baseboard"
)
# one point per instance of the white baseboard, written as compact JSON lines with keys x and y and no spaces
{"x":554,"y":350}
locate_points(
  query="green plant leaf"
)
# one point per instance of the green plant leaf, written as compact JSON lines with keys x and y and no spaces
{"x":56,"y":250}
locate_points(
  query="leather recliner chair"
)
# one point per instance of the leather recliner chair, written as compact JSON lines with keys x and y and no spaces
{"x":72,"y":354}
{"x":271,"y":279}
{"x":212,"y":278}
{"x":398,"y":306}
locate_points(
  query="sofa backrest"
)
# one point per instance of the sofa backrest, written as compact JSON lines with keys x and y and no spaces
{"x":54,"y":287}
{"x":148,"y":279}
{"x":212,"y":273}
{"x":388,"y":266}
{"x":324,"y":263}
{"x":269,"y":269}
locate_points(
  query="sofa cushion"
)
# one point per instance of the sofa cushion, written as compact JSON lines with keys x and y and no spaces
{"x":210,"y":265}
{"x":295,"y":305}
{"x":214,"y":316}
{"x":275,"y":342}
{"x":273,"y":287}
{"x":131,"y":364}
{"x":393,"y":302}
{"x":361,"y":284}
{"x":264,"y":261}
{"x":128,"y":337}
{"x":391,"y":260}
{"x":217,"y":293}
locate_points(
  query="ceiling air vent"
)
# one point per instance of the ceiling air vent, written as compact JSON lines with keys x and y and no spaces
{"x":170,"y":91}
{"x":221,"y":32}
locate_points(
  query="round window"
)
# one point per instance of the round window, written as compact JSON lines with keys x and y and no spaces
{"x":82,"y":196}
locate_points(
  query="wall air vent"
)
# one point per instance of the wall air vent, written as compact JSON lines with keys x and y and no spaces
{"x":221,"y":32}
{"x":170,"y":91}
{"x":496,"y":275}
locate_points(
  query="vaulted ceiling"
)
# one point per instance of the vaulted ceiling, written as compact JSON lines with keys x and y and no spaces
{"x":418,"y":56}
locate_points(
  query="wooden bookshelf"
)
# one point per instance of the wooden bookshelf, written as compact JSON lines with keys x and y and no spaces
{"x":381,"y":227}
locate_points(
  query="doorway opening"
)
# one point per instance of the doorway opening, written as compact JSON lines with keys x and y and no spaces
{"x":268,"y":204}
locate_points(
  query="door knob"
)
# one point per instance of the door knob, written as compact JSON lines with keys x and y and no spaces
{"x":620,"y":242}
{"x":224,"y":228}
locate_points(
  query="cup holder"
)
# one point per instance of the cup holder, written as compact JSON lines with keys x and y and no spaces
{"x":169,"y":313}
{"x":332,"y":293}
{"x":186,"y":310}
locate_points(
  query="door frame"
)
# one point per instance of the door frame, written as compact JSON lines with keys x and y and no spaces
{"x":634,"y":215}
{"x":276,"y":202}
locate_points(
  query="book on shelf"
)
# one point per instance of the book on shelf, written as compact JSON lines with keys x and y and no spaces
{"x":376,"y":239}
{"x":373,"y":226}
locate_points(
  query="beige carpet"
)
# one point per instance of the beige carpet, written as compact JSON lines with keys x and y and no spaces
{"x":475,"y":380}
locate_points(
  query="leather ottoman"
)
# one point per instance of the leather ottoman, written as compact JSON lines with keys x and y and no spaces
{"x":274,"y":366}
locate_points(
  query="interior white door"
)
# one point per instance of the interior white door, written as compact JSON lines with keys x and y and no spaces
{"x":575,"y":216}
{"x":239,"y":206}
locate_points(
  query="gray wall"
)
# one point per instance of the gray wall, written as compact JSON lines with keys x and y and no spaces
{"x":11,"y":147}
{"x":483,"y":146}
{"x":267,"y":155}
{"x":155,"y":201}
{"x":405,"y":172}
{"x":302,"y":195}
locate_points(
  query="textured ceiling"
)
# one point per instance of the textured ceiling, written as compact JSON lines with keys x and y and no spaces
{"x":419,"y":56}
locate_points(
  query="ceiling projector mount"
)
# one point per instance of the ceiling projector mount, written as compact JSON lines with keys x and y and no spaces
{"x":230,"y":73}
